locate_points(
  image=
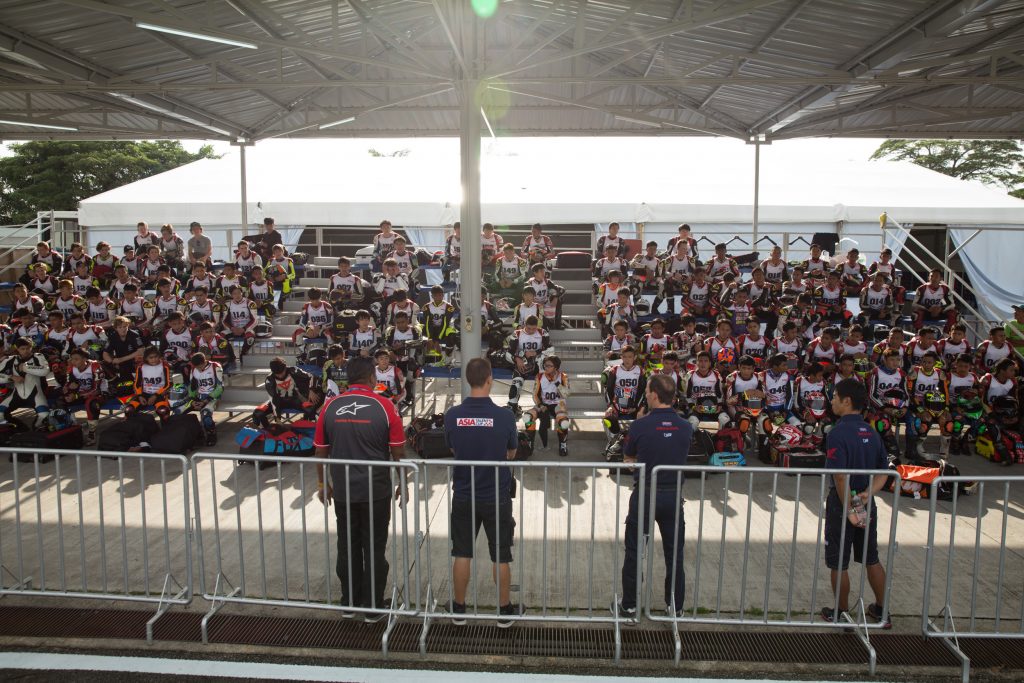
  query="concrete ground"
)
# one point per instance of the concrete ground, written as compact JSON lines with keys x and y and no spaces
{"x":752,"y":537}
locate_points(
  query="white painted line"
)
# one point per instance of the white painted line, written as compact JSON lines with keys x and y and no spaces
{"x":38,"y":661}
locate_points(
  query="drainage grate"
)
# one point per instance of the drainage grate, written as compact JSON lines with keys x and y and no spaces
{"x":575,"y":642}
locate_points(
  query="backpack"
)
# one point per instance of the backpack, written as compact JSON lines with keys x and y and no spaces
{"x":728,"y":439}
{"x":128,"y":433}
{"x":181,"y":434}
{"x":916,"y":480}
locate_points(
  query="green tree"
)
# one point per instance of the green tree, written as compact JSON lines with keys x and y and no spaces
{"x":44,"y":175}
{"x":995,"y":162}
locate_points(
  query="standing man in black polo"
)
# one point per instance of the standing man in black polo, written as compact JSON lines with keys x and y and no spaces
{"x":360,"y":425}
{"x":661,"y":437}
{"x":853,"y":444}
{"x":477,"y":429}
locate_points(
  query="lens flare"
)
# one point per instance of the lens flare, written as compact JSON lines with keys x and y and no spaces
{"x":484,"y":8}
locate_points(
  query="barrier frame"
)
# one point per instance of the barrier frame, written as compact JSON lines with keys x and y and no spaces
{"x":224,"y":591}
{"x":173,"y":591}
{"x":430,"y":609}
{"x":948,"y":633}
{"x":857,"y":622}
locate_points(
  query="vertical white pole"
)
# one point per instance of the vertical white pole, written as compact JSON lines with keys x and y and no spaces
{"x":245,"y":193}
{"x":471,"y":276}
{"x":757,"y":192}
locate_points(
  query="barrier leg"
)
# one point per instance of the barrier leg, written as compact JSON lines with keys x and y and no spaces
{"x":392,"y":620}
{"x":165,"y":603}
{"x":861,"y":631}
{"x":953,"y":645}
{"x":20,"y":583}
{"x":618,"y":628}
{"x":428,"y":617}
{"x":677,"y":641}
{"x":217,"y":603}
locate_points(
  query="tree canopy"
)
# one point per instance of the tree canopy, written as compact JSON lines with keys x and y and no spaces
{"x":44,"y":175}
{"x":995,"y":162}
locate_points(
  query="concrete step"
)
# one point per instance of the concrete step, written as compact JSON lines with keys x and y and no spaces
{"x":580,"y":309}
{"x":583,"y":402}
{"x":591,"y":366}
{"x":585,"y":297}
{"x":566,"y":274}
{"x":591,"y":334}
{"x":580,"y":286}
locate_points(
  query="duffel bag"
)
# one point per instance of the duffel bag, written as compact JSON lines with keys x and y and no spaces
{"x":69,"y":438}
{"x":574,"y":259}
{"x":181,"y":434}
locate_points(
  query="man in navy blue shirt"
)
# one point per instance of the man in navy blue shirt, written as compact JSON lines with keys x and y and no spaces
{"x":477,"y":429}
{"x":661,"y":437}
{"x":853,"y":445}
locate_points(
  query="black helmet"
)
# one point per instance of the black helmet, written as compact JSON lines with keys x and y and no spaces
{"x":1005,"y":407}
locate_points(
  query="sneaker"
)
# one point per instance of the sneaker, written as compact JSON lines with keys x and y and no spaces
{"x":90,"y":436}
{"x":874,"y":610}
{"x":829,"y":615}
{"x":509,"y":610}
{"x":563,"y":449}
{"x":458,"y":614}
{"x":374,"y":617}
{"x":623,"y":611}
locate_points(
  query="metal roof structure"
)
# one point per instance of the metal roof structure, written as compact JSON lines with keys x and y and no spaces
{"x":751,"y":69}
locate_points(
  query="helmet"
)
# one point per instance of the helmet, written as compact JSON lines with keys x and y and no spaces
{"x":503,"y":304}
{"x":178,"y":393}
{"x":816,"y":402}
{"x":862,"y":366}
{"x":197,"y":318}
{"x":707,"y":406}
{"x":315,"y":356}
{"x":881,"y":333}
{"x":642,"y":307}
{"x":726,"y":356}
{"x":383,"y":389}
{"x":1005,"y":407}
{"x":894,"y":398}
{"x":788,"y":435}
{"x":94,"y":349}
{"x":934,"y":402}
{"x":969,"y":403}
{"x":263,"y":329}
{"x":59,"y":419}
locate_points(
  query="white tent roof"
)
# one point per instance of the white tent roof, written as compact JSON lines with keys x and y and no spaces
{"x":548,"y":181}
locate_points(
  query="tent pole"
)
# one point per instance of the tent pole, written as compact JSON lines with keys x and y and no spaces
{"x":757,"y":192}
{"x":245,"y":197}
{"x":470,"y":275}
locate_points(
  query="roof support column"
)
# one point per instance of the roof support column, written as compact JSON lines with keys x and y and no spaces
{"x":757,"y":193}
{"x":470,"y":275}
{"x":242,"y":143}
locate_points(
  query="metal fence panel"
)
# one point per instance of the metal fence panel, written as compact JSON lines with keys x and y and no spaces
{"x":264,"y":538}
{"x":758,"y":559}
{"x":569,"y":519}
{"x":89,"y":524}
{"x":968,"y":530}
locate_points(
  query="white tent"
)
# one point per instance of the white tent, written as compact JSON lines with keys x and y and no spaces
{"x":707,"y":183}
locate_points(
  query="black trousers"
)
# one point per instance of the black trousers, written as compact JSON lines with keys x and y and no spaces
{"x":668,"y":512}
{"x":364,"y":572}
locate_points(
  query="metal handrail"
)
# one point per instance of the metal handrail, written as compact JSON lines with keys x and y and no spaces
{"x":37,"y":223}
{"x":954,"y":277}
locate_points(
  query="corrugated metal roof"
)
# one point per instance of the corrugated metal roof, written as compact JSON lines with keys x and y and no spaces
{"x":741,"y":68}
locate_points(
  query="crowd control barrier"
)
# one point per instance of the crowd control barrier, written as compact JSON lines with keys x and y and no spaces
{"x":967,"y":535}
{"x":89,"y":524}
{"x":260,"y":542}
{"x":778,"y":554}
{"x":577,"y":581}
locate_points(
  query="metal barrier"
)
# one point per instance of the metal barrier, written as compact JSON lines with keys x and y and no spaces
{"x":976,"y":513}
{"x":778,"y":577}
{"x":81,"y":503}
{"x":242,"y":538}
{"x":547,"y":492}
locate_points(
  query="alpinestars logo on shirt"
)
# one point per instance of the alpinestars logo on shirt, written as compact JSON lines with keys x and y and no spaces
{"x":352,"y":408}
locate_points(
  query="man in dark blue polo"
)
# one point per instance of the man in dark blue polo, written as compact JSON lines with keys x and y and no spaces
{"x":661,"y":437}
{"x":853,"y":445}
{"x":360,"y":425}
{"x":477,"y":429}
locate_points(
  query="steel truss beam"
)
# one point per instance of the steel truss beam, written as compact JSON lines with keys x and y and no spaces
{"x":932,"y":25}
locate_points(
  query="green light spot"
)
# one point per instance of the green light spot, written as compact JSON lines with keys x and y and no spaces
{"x":484,"y":8}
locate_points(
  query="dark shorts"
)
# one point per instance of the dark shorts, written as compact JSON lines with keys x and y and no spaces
{"x":854,"y":539}
{"x":497,"y":523}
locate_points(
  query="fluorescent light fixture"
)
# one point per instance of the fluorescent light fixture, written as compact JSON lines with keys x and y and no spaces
{"x":350,"y":119}
{"x":167,"y":112}
{"x":197,"y":36}
{"x":641,"y":122}
{"x":47,"y":126}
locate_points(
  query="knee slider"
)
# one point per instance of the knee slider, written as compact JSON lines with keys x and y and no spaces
{"x":611,"y":424}
{"x":694,"y":421}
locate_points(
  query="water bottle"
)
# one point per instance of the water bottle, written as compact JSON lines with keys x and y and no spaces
{"x":858,"y":514}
